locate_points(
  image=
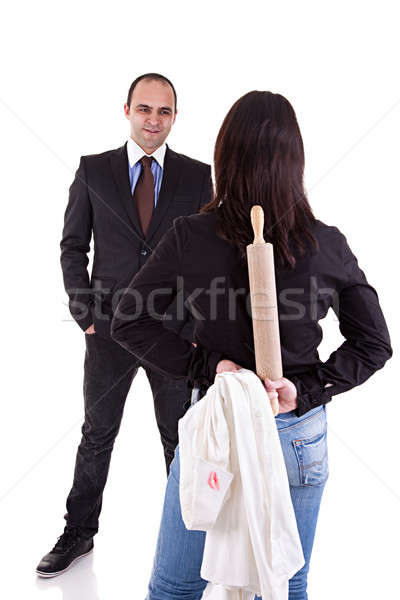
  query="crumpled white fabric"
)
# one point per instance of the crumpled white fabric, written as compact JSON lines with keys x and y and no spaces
{"x":234,"y":486}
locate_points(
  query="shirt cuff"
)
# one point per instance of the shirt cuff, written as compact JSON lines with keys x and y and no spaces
{"x":203,"y":367}
{"x":309,"y":397}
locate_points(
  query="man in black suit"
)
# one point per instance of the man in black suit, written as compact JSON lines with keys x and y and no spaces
{"x":127,"y":198}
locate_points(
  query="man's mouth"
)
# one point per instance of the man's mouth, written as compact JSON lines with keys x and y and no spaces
{"x":152,"y":130}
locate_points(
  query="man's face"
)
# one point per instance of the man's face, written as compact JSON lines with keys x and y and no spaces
{"x":151,"y":114}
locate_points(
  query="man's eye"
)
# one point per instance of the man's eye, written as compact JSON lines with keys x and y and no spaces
{"x":165,"y":112}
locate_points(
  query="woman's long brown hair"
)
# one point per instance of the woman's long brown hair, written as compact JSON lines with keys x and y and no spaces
{"x":259,"y":159}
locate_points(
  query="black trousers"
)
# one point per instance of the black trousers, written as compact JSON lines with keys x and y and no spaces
{"x":108,"y":374}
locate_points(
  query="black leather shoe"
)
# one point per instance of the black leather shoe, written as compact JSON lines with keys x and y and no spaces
{"x":71,"y":546}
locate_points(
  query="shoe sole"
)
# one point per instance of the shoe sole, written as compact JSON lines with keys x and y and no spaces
{"x":55,"y":573}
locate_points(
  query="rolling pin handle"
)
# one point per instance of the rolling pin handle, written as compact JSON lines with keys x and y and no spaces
{"x":275,"y":406}
{"x":257,"y":221}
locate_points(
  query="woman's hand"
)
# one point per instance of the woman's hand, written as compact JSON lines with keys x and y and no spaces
{"x":286,"y":391}
{"x":227,"y":365}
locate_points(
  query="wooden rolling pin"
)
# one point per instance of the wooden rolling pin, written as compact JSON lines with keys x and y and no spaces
{"x":264,"y":307}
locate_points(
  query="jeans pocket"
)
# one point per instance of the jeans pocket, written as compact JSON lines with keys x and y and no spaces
{"x":312,"y":458}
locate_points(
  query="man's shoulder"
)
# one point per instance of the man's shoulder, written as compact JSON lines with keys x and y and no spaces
{"x":187,"y":160}
{"x":102,"y":156}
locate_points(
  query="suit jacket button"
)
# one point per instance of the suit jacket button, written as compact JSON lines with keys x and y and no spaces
{"x":143,"y":252}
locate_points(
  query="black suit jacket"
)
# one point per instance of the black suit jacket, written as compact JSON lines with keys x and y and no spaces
{"x":101,"y":203}
{"x":329,"y":277}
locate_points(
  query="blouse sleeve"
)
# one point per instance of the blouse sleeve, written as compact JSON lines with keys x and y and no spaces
{"x":138,"y":323}
{"x":367,"y":343}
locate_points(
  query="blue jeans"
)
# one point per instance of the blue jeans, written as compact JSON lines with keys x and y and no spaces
{"x":179,"y":554}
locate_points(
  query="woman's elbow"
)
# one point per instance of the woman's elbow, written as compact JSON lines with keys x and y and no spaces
{"x":119,"y":328}
{"x":388,"y":353}
{"x":124,"y":319}
{"x":384,"y":353}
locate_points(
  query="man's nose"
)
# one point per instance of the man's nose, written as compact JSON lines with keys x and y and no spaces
{"x":153,"y":119}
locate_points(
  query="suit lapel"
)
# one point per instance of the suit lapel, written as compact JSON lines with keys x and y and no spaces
{"x":120,"y":170}
{"x":170,"y":179}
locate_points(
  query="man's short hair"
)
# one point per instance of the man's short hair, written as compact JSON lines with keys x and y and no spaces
{"x":150,"y":77}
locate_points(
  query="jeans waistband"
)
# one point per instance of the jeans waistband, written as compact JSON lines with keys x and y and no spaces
{"x":288,"y":416}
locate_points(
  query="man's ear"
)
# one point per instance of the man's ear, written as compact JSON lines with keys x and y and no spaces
{"x":176,"y":112}
{"x":127,"y":111}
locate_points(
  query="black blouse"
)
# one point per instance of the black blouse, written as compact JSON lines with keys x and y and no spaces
{"x":192,"y":264}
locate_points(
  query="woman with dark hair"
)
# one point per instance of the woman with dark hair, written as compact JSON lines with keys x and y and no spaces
{"x":259,"y":159}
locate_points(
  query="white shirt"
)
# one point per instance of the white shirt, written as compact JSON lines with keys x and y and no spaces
{"x":233,"y":473}
{"x":135,"y":153}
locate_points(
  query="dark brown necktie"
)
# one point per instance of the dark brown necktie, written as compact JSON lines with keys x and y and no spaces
{"x":143,"y":195}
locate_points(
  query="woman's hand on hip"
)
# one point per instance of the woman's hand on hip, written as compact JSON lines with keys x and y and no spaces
{"x":286,"y":390}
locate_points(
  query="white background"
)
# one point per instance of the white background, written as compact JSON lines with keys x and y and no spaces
{"x":66,"y":70}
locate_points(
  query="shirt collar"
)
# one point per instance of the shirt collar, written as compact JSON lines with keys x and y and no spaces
{"x":135,"y":153}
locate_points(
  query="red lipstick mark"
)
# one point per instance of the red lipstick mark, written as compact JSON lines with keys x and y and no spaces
{"x":213,"y":481}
